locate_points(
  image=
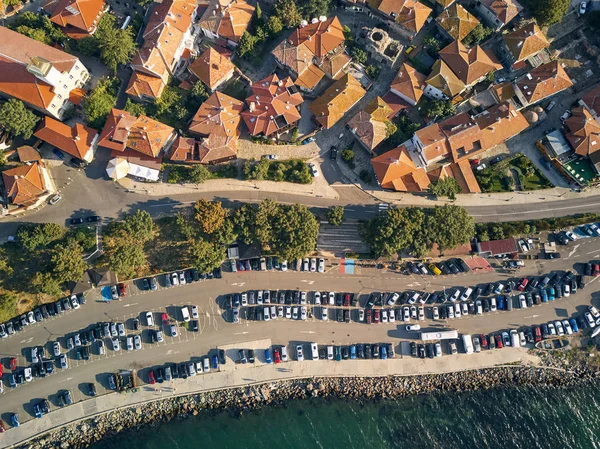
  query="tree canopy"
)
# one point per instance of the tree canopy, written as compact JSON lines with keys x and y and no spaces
{"x":67,"y":261}
{"x":335,"y":215}
{"x":210,"y":215}
{"x":16,"y":119}
{"x":206,"y":256}
{"x":99,"y":102}
{"x":436,"y":108}
{"x":38,"y":27}
{"x":447,"y":187}
{"x":288,"y":13}
{"x":549,"y":12}
{"x":116,"y":46}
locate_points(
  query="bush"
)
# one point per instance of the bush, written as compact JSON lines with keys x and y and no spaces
{"x":498,"y":231}
{"x":348,"y":155}
{"x":365,"y":176}
{"x":335,"y":215}
{"x":293,"y":170}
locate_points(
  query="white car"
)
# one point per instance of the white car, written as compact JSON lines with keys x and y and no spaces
{"x":173,"y":330}
{"x":149,"y":319}
{"x":299,"y":354}
{"x":422,"y":313}
{"x":331,"y":298}
{"x":559,"y":328}
{"x":159,"y":336}
{"x":75,"y":301}
{"x":27,"y":373}
{"x":280,"y":312}
{"x":391,"y":316}
{"x":321,"y":268}
{"x":571,"y":236}
{"x":392,"y":299}
{"x":522,"y":301}
{"x":295,"y":313}
{"x":34,"y":355}
{"x":384,"y":316}
{"x":115,"y":344}
{"x":305,"y":264}
{"x":567,"y":326}
{"x":566,"y":290}
{"x":174,"y":279}
{"x":413,"y":328}
{"x":313,"y":169}
{"x":324,"y":315}
{"x":465,"y":308}
{"x":361,"y":315}
{"x":121,"y":329}
{"x":195,"y":312}
{"x":284,"y":355}
{"x":457,"y":312}
{"x":137,"y":342}
{"x":303,"y":312}
{"x":590,"y":320}
{"x":582,"y":7}
{"x":130,"y":343}
{"x":436,"y":313}
{"x":30,"y":318}
{"x":302,"y":297}
{"x":266,"y":314}
{"x":455,"y":295}
{"x":182,"y":278}
{"x":594,"y":312}
{"x":284,"y":265}
{"x":313,"y":265}
{"x":317,"y":298}
{"x":244,"y":299}
{"x":56,"y":348}
{"x":406,"y":314}
{"x":329,"y":352}
{"x":206,"y":365}
{"x":259,"y":297}
{"x":288,"y":312}
{"x":595,"y":229}
{"x":273,"y":313}
{"x":315,"y":351}
{"x":493,"y":306}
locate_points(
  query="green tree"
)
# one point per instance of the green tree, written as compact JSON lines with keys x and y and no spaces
{"x":392,"y":230}
{"x":549,"y":12}
{"x":244,"y":222}
{"x":34,"y":33}
{"x":348,"y":155}
{"x":10,"y":3}
{"x":88,"y":46}
{"x":447,"y":187}
{"x":256,"y":171}
{"x":206,"y":256}
{"x":67,"y":261}
{"x":39,"y":235}
{"x":295,"y":230}
{"x":335,"y":215}
{"x":263,"y":224}
{"x":116,"y":46}
{"x":196,"y":96}
{"x":315,"y":8}
{"x":258,"y":11}
{"x":210,"y":215}
{"x":479,"y":34}
{"x":358,"y":55}
{"x":38,"y":27}
{"x":199,"y":173}
{"x":45,"y":283}
{"x":432,"y":44}
{"x":133,"y":108}
{"x":99,"y":102}
{"x":288,"y":13}
{"x":452,"y":225}
{"x":16,"y":119}
{"x":2,"y":159}
{"x":247,"y":44}
{"x":274,"y":25}
{"x":124,"y":255}
{"x":436,"y":108}
{"x":170,"y":98}
{"x":405,"y":129}
{"x":390,"y":129}
{"x":140,"y":226}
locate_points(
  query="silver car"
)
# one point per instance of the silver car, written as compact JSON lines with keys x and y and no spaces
{"x":64,"y":364}
{"x":115,"y":344}
{"x":236,"y":315}
{"x":137,"y":341}
{"x":56,"y":349}
{"x":130,"y":343}
{"x":121,"y":329}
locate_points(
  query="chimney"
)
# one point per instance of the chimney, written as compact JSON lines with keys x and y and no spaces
{"x":252,"y":106}
{"x":280,"y":83}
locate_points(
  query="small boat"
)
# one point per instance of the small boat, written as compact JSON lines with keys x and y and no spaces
{"x":552,"y":344}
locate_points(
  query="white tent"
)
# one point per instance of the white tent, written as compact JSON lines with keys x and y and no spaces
{"x":117,"y":168}
{"x":143,"y":172}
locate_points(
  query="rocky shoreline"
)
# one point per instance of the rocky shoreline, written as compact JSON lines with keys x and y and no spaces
{"x":240,"y":400}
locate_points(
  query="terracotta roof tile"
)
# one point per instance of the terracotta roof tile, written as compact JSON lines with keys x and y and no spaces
{"x":500,"y":123}
{"x":184,"y":150}
{"x":584,"y":135}
{"x":543,"y":81}
{"x":310,"y":77}
{"x":24,"y":184}
{"x":469,"y":65}
{"x":212,"y":66}
{"x":411,"y":14}
{"x":229,"y":19}
{"x":526,"y":41}
{"x":333,"y":65}
{"x":16,"y":52}
{"x":457,"y":21}
{"x":141,"y":85}
{"x":592,"y":99}
{"x":330,"y":107}
{"x":28,"y":154}
{"x":273,"y":105}
{"x":444,"y":79}
{"x":505,"y":10}
{"x":78,"y":17}
{"x":75,"y":140}
{"x":219,"y":114}
{"x":396,"y":170}
{"x":395,"y":103}
{"x":434,"y":142}
{"x":370,"y":124}
{"x":463,"y":173}
{"x":409,"y":82}
{"x":216,"y":148}
{"x":463,"y":135}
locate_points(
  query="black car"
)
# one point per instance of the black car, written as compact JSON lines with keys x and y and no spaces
{"x":91,"y":336}
{"x":529,"y":300}
{"x":347,"y":315}
{"x":83,"y":337}
{"x":588,"y":269}
{"x":559,"y":290}
{"x":345,"y":353}
{"x":251,"y":355}
{"x":333,"y":153}
{"x":85,"y":353}
{"x":529,"y":335}
{"x":581,"y":322}
{"x":338,"y":299}
{"x":545,"y":331}
{"x":491,"y":342}
{"x":145,"y":284}
{"x":486,"y":304}
{"x":45,"y":405}
{"x":360,"y":352}
{"x":429,"y":350}
{"x":471,"y":308}
{"x":442,"y":266}
{"x":76,"y":221}
{"x":112,"y":383}
{"x":188,"y":276}
{"x":340,"y":315}
{"x":38,"y":315}
{"x":44,"y":311}
{"x":182,"y":369}
{"x":217,"y":273}
{"x":453,"y":268}
{"x":160,"y":375}
{"x":195,"y":275}
{"x":488,"y":290}
{"x":136,"y":324}
{"x":568,"y":276}
{"x":237,"y":299}
{"x":443,"y":313}
{"x":322,"y":353}
{"x":51,"y":309}
{"x":375,"y":351}
{"x":58,"y":307}
{"x":413,"y":349}
{"x":533,"y":283}
{"x":580,"y":282}
{"x":93,"y":219}
{"x":77,"y":163}
{"x":421,"y":351}
{"x":367,"y":351}
{"x":477,"y":293}
{"x":370,"y":301}
{"x":91,"y":389}
{"x":41,"y":370}
{"x":222,"y":359}
{"x":194,"y":325}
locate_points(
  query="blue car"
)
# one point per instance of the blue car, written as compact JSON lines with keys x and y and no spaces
{"x":544,"y":295}
{"x":58,"y":153}
{"x":37,"y":410}
{"x":551,"y":294}
{"x":383,"y":353}
{"x":268,"y":356}
{"x":573,"y":323}
{"x":215,"y":362}
{"x":352,"y":352}
{"x":14,"y":420}
{"x":501,"y":302}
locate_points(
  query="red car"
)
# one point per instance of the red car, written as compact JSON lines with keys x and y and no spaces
{"x":377,"y":315}
{"x":13,"y":364}
{"x":1,"y":426}
{"x":523,"y":284}
{"x":369,"y":315}
{"x":537,"y":333}
{"x":498,"y":339}
{"x":151,"y":378}
{"x":347,"y":300}
{"x":165,"y":319}
{"x":277,"y":355}
{"x":596,"y":271}
{"x":1,"y":370}
{"x":122,"y":289}
{"x":484,"y":341}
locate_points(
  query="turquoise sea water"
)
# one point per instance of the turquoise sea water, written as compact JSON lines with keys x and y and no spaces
{"x":500,"y":418}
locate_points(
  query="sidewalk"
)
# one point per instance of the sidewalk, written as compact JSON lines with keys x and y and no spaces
{"x":236,"y":375}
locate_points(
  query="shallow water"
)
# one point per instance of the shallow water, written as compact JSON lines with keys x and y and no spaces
{"x":500,"y":418}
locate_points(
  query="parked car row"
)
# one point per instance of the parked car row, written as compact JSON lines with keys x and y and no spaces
{"x":289,"y":297}
{"x":41,"y":313}
{"x":183,"y":370}
{"x":273,"y":263}
{"x":451,"y":266}
{"x":313,"y":351}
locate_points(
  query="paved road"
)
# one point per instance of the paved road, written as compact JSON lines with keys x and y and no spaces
{"x":216,"y":330}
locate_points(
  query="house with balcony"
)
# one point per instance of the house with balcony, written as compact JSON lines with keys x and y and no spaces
{"x":43,"y":77}
{"x":524,"y":45}
{"x":496,"y":14}
{"x":408,"y":16}
{"x":76,"y":18}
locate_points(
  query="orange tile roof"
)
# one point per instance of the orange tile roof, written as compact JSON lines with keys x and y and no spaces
{"x":395,"y":170}
{"x":228,"y":19}
{"x":526,"y":41}
{"x":216,"y":148}
{"x":75,"y":140}
{"x":141,"y":85}
{"x":463,"y":135}
{"x":457,"y":21}
{"x":445,"y":3}
{"x":505,"y":10}
{"x":163,"y":35}
{"x":320,"y":37}
{"x":333,"y":64}
{"x":184,"y":150}
{"x":592,"y":99}
{"x":79,"y":16}
{"x":24,"y":184}
{"x":337,"y":100}
{"x":463,"y":173}
{"x":434,"y":142}
{"x":28,"y":154}
{"x":543,"y":81}
{"x":500,"y":123}
{"x":219,"y":114}
{"x":310,"y":77}
{"x":370,"y":124}
{"x":408,"y":13}
{"x":273,"y":105}
{"x":504,"y":91}
{"x":76,"y":96}
{"x":469,"y":65}
{"x":584,"y":135}
{"x":141,"y":134}
{"x":297,"y":58}
{"x":409,"y":82}
{"x":16,"y":52}
{"x":444,"y":79}
{"x":212,"y":66}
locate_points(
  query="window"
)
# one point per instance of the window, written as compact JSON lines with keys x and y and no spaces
{"x":53,"y":106}
{"x":76,"y":67}
{"x":59,"y":96}
{"x":64,"y":86}
{"x":70,"y":77}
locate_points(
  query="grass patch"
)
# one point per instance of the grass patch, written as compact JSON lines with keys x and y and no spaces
{"x":237,"y":89}
{"x":495,"y":178}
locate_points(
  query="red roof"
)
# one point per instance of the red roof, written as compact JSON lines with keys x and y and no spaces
{"x":498,"y":247}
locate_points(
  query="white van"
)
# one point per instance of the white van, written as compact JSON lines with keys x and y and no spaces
{"x":284,"y":354}
{"x":315,"y":351}
{"x":455,"y":295}
{"x":466,"y":294}
{"x":329,"y":352}
{"x":514,"y":339}
{"x":185,"y":313}
{"x":467,"y":343}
